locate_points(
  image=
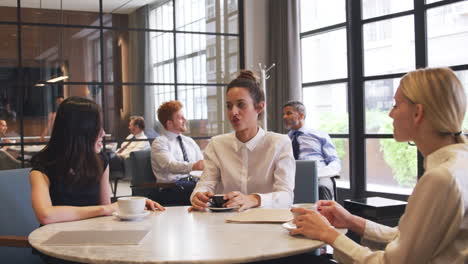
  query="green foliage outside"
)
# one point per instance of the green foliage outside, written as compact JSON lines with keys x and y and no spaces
{"x":401,"y":157}
{"x":335,"y":123}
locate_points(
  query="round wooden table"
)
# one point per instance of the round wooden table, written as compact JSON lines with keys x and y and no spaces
{"x":178,"y":236}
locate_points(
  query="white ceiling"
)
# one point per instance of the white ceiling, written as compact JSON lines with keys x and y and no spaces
{"x":109,"y":6}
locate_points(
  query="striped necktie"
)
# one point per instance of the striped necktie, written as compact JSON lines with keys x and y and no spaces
{"x":182,"y":147}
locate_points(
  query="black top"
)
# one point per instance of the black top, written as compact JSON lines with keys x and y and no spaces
{"x":63,"y":194}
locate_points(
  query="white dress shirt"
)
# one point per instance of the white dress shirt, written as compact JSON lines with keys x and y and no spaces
{"x":167,"y":159}
{"x":264,"y":165}
{"x":434,"y":227}
{"x":133,"y":145}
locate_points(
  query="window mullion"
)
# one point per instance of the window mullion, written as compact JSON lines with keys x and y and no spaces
{"x":356,"y":98}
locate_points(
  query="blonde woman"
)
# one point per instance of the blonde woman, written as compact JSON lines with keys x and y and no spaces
{"x":429,"y":109}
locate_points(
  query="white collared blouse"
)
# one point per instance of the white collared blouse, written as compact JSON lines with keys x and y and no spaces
{"x":434,"y":227}
{"x":264,"y":165}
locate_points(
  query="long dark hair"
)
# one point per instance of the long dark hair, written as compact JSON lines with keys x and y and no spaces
{"x":71,"y":146}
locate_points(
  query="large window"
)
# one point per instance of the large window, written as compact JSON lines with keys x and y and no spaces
{"x":205,"y":46}
{"x":128,"y":56}
{"x":354,"y":53}
{"x":324,"y":73}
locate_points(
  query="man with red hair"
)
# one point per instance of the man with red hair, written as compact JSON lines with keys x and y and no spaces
{"x":174,"y":155}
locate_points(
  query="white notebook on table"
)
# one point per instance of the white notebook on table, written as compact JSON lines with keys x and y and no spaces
{"x":96,"y":237}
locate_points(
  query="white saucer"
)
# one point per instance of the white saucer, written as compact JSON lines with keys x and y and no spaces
{"x":289,"y":225}
{"x":220,"y":209}
{"x":131,"y":216}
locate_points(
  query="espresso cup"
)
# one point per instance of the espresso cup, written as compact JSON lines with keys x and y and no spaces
{"x":307,"y":206}
{"x":131,"y":205}
{"x":217,"y":200}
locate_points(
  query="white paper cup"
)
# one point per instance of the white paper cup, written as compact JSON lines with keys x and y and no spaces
{"x":131,"y":205}
{"x":307,"y":206}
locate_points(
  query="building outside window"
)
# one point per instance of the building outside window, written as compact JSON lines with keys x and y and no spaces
{"x":388,"y":51}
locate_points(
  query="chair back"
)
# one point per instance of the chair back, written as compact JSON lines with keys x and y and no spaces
{"x":306,"y":183}
{"x":8,"y":162}
{"x":139,"y":165}
{"x":17,"y":216}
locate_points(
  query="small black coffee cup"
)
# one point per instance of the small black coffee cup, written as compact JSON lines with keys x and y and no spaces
{"x":217,"y":200}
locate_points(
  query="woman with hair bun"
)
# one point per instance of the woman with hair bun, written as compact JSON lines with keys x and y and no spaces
{"x":251,"y":167}
{"x":430,"y":106}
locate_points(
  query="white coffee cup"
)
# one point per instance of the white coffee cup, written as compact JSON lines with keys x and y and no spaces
{"x":307,"y":206}
{"x":131,"y":205}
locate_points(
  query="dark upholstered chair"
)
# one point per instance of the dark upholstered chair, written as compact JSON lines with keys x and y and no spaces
{"x":8,"y":162}
{"x":144,"y":183}
{"x":17,"y":217}
{"x":306,"y":183}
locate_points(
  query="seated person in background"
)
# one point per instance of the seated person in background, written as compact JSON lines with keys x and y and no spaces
{"x":311,"y":144}
{"x":174,"y":155}
{"x":136,"y":127}
{"x":429,"y":109}
{"x":252,"y":167}
{"x":51,"y":118}
{"x":3,"y":130}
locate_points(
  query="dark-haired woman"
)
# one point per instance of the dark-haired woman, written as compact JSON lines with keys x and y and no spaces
{"x":252,"y":167}
{"x":69,"y":179}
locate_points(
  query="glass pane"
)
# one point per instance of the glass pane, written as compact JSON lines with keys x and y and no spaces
{"x":463,"y":76}
{"x":204,"y":108}
{"x":447,"y":33}
{"x":327,"y":107}
{"x":375,"y":8}
{"x":139,"y":14}
{"x":8,"y":10}
{"x":321,"y":13}
{"x":162,"y":57}
{"x":324,"y":56}
{"x":10,"y":99}
{"x":138,"y":56}
{"x":342,"y":147}
{"x":123,"y":101}
{"x":40,"y":106}
{"x":60,"y":12}
{"x":379,"y":102}
{"x":391,"y":166}
{"x":56,"y":51}
{"x":206,"y":58}
{"x":432,"y":1}
{"x":389,"y":46}
{"x":207,"y":16}
{"x":8,"y":56}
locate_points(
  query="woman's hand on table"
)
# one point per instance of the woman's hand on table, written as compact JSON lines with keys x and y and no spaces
{"x":243,"y":201}
{"x":110,"y":208}
{"x":313,"y":225}
{"x":200,"y":201}
{"x":152,"y":205}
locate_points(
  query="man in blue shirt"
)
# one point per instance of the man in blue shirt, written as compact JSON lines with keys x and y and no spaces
{"x":312,"y":144}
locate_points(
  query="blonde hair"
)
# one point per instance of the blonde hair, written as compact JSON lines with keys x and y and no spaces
{"x":442,"y":96}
